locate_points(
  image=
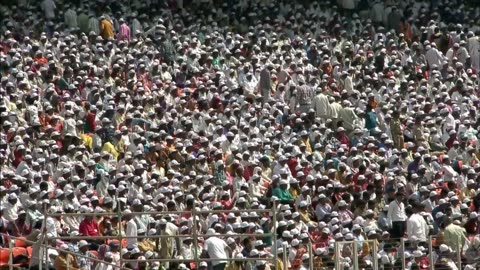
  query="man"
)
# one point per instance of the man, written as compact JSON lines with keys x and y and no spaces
{"x":168,"y":245}
{"x":88,"y":226}
{"x":70,"y":17}
{"x":265,"y":82}
{"x":48,"y":6}
{"x":321,"y":104}
{"x":396,"y":129}
{"x":216,"y":248}
{"x":396,"y":216}
{"x":417,"y":227}
{"x":124,"y":31}
{"x":84,"y":262}
{"x":282,"y":193}
{"x":455,"y":235}
{"x":106,"y":28}
{"x":131,"y":230}
{"x":64,"y":260}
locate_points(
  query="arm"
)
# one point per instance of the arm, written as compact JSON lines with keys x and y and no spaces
{"x":389,"y":215}
{"x":410,"y":227}
{"x":82,"y":229}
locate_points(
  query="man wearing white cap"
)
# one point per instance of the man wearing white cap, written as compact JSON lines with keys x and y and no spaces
{"x":10,"y":209}
{"x":216,"y":248}
{"x":65,"y":260}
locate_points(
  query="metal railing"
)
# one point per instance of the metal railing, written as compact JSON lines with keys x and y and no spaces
{"x":44,"y":247}
{"x":195,"y":234}
{"x":455,"y":256}
{"x":339,"y":245}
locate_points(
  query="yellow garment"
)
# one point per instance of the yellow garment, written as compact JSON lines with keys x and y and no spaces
{"x":294,"y":192}
{"x":279,"y":265}
{"x":307,"y":144}
{"x":109,"y":148}
{"x":304,"y":216}
{"x":120,"y":145}
{"x":106,"y":30}
{"x":87,"y":140}
{"x":317,"y":263}
{"x":146,"y":245}
{"x":367,"y":247}
{"x":467,"y":193}
{"x":66,"y":262}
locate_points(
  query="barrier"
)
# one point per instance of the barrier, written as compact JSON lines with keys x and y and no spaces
{"x":194,"y":214}
{"x":431,"y":253}
{"x":340,"y":260}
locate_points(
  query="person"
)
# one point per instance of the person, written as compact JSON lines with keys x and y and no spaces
{"x":106,"y":28}
{"x":49,"y":7}
{"x":454,"y":235}
{"x":282,"y":193}
{"x":84,"y":263}
{"x":89,"y":226}
{"x":396,"y":216}
{"x":417,"y":227}
{"x":216,"y":248}
{"x":131,"y":230}
{"x":65,"y":260}
{"x":240,"y":107}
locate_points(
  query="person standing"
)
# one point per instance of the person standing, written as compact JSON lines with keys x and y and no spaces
{"x":124,"y":32}
{"x":417,"y":227}
{"x":48,"y":6}
{"x":106,"y":28}
{"x":70,"y":17}
{"x":82,"y":21}
{"x":93,"y":24}
{"x":454,"y":234}
{"x":396,"y":216}
{"x":216,"y":248}
{"x":265,"y":82}
{"x":321,"y":104}
{"x":131,"y":230}
{"x":305,"y":94}
{"x":396,"y":129}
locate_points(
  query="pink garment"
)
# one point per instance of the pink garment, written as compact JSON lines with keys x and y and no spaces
{"x":124,"y":33}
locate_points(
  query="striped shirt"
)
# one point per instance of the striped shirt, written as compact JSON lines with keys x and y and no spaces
{"x":305,"y":94}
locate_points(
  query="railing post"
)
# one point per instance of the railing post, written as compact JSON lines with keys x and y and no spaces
{"x":430,"y":254}
{"x":285,"y":261}
{"x":120,"y":236}
{"x":337,"y":256}
{"x":274,"y":234}
{"x":459,"y":255}
{"x":310,"y":254}
{"x":45,"y":249}
{"x":10,"y":254}
{"x":355,"y":254}
{"x":375,"y":255}
{"x":195,"y":237}
{"x":402,"y":242}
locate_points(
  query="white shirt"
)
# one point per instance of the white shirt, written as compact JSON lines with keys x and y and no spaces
{"x":10,"y":212}
{"x":321,"y":105}
{"x":51,"y":227}
{"x":417,"y":227}
{"x":216,"y":249}
{"x":48,"y":6}
{"x":396,"y":212}
{"x":131,"y":231}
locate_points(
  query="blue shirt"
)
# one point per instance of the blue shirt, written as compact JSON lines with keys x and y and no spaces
{"x":371,"y":120}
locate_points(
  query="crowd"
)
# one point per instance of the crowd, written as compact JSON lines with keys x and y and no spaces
{"x":357,"y":120}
